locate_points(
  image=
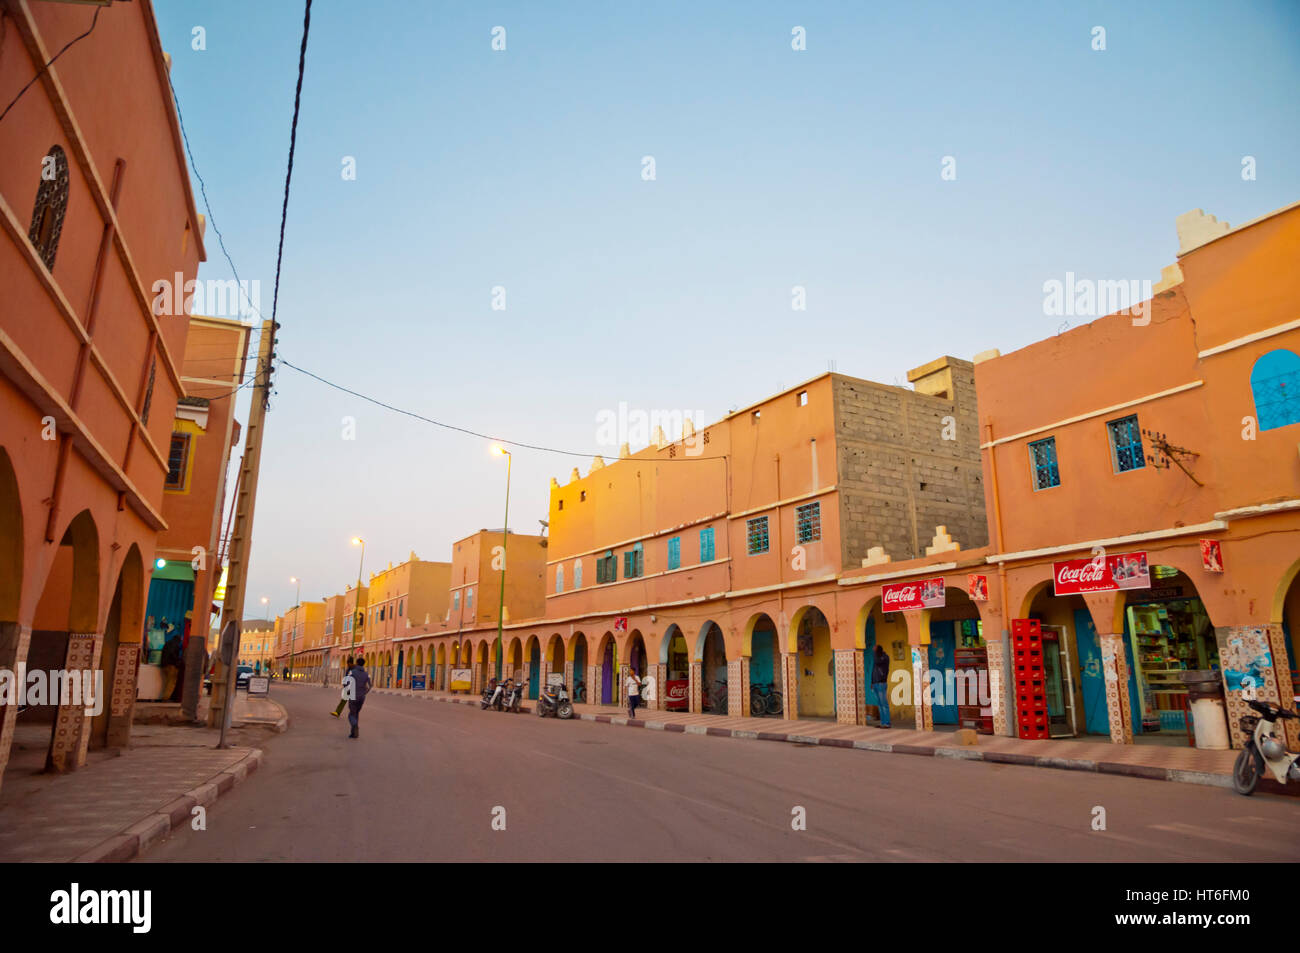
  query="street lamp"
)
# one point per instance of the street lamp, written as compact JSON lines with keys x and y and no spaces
{"x":505,"y":534}
{"x":356,"y":601}
{"x":297,"y":616}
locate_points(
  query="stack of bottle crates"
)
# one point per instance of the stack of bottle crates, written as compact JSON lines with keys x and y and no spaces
{"x":1031,"y":685}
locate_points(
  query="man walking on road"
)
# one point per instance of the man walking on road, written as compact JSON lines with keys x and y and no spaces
{"x":343,"y":694}
{"x":357,"y":687}
{"x":880,"y":684}
{"x":633,"y":693}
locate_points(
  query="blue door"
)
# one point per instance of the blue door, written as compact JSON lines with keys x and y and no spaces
{"x":943,"y":655}
{"x":534,"y":668}
{"x":1096,"y":717}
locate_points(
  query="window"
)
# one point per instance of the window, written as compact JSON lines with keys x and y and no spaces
{"x":577,"y":574}
{"x":400,"y":605}
{"x":50,"y":207}
{"x":706,"y":545}
{"x":381,"y":613}
{"x":803,"y":398}
{"x":1126,"y":444}
{"x":347,"y":623}
{"x":633,"y":562}
{"x":178,"y":459}
{"x":469,"y":598}
{"x":1042,"y":457}
{"x":559,"y":579}
{"x":1275,"y":384}
{"x":606,"y":568}
{"x":455,"y":600}
{"x":808,"y":522}
{"x":675,"y":552}
{"x":756,"y":535}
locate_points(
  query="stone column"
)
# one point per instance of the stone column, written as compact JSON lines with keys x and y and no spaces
{"x":542,"y":676}
{"x":998,"y":681}
{"x":661,"y":691}
{"x":738,"y":687}
{"x":790,"y":684}
{"x":14,"y":642}
{"x":568,"y":676}
{"x":121,"y":695}
{"x":920,"y":689}
{"x":696,"y":676}
{"x":849,"y":707}
{"x":593,"y":685}
{"x":1240,"y":649}
{"x":476,"y":681}
{"x":71,"y":724}
{"x":1114,"y":670}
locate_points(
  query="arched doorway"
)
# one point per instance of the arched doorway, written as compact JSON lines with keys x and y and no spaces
{"x":712,"y":653}
{"x":534,"y":665}
{"x":956,"y":646}
{"x":636,"y":655}
{"x":401,"y":661}
{"x":555,"y":653}
{"x":440,"y":668}
{"x":810,"y":638}
{"x":764,"y":670}
{"x":515,"y":660}
{"x":607,"y":675}
{"x":676,"y":659}
{"x":889,"y":632}
{"x":483,"y":670}
{"x":580,"y":688}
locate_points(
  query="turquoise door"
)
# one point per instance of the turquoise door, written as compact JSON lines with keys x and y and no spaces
{"x":1096,"y":718}
{"x":534,"y":669}
{"x":943,"y":654}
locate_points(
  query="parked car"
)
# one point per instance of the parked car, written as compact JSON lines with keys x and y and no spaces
{"x":242,"y":674}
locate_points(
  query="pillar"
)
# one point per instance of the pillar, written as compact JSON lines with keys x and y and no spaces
{"x":568,"y":676}
{"x":1114,"y":668}
{"x":1246,"y":649}
{"x":543,"y":674}
{"x":924,"y":716}
{"x":696,"y":676}
{"x":14,"y":642}
{"x":738,"y":687}
{"x":790,"y":684}
{"x":998,"y":682}
{"x":660,"y":702}
{"x":850,"y":708}
{"x":593,"y":684}
{"x":71,"y":724}
{"x":121,"y":695}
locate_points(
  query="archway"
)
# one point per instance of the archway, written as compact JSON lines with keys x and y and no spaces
{"x":482,"y":669}
{"x":765,"y":679}
{"x":580,"y":663}
{"x":711,"y":651}
{"x":534,"y":665}
{"x":810,"y":640}
{"x":401,"y":662}
{"x":11,"y":548}
{"x":607,"y":660}
{"x":956,"y":649}
{"x":514,"y":666}
{"x":889,"y":632}
{"x":440,"y":668}
{"x":636,"y":654}
{"x":555,"y":656}
{"x":676,"y":658}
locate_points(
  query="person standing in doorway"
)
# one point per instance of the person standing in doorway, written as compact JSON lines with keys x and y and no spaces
{"x":357,"y":691}
{"x":633,"y":686}
{"x":880,"y":684}
{"x":343,"y":694}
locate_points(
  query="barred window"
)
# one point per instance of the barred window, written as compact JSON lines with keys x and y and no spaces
{"x":1275,"y":385}
{"x":706,"y":545}
{"x":675,"y":552}
{"x":756,"y":535}
{"x":178,"y":458}
{"x":808,"y":522}
{"x":1126,"y":444}
{"x":1042,"y":457}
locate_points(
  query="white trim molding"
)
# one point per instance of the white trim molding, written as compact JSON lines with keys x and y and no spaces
{"x":1114,"y":408}
{"x":1216,"y":525}
{"x":1250,"y":339}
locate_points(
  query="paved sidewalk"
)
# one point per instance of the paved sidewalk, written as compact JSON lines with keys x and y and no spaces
{"x":122,"y":802}
{"x":1156,"y":762}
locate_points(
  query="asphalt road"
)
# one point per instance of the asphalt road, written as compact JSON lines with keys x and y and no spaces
{"x":426,"y":780}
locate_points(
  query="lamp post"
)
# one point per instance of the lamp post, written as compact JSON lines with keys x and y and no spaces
{"x":297,"y":617}
{"x":505,"y":535}
{"x":356,"y":602}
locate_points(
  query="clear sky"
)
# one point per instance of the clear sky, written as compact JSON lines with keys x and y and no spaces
{"x":774,"y":168}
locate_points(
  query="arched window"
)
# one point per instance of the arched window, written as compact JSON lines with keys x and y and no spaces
{"x":1275,"y":383}
{"x":51,"y":205}
{"x":559,"y":579}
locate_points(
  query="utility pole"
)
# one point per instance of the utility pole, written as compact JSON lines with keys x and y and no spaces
{"x":223,"y":682}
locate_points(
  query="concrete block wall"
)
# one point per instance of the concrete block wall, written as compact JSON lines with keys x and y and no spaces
{"x":899,"y":474}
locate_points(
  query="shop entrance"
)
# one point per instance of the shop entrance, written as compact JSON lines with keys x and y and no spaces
{"x":557,"y":660}
{"x":815,"y":664}
{"x":636,"y":658}
{"x":608,"y":657}
{"x":1168,"y":632}
{"x":579,"y":667}
{"x":958,"y":659}
{"x":1059,"y":617}
{"x":765,"y":696}
{"x":534,"y":666}
{"x":713,"y":669}
{"x":677,"y":666}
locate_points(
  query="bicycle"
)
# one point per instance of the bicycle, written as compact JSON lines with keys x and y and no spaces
{"x":717,"y":700}
{"x":770,"y":702}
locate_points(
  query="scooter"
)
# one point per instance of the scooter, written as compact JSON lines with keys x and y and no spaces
{"x":514,"y":695}
{"x":493,"y":694}
{"x":1265,"y":747}
{"x":554,"y":701}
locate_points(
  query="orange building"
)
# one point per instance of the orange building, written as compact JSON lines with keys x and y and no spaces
{"x":96,"y":207}
{"x":1152,"y":459}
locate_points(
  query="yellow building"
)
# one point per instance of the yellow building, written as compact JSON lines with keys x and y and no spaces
{"x":257,"y":644}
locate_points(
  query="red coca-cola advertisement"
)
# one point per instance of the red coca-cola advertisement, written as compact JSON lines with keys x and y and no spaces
{"x":677,"y":694}
{"x":1101,"y":574}
{"x":921,"y":594}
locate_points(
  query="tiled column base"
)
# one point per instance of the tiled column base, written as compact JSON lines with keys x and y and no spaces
{"x":568,"y":676}
{"x":661,"y":687}
{"x":121,"y":700}
{"x":71,"y":725}
{"x":790,"y":684}
{"x":696,"y":690}
{"x":593,"y":684}
{"x":920,"y":689}
{"x":738,"y":687}
{"x":14,"y":642}
{"x":1239,"y":645}
{"x":1114,"y":670}
{"x":1277,"y":639}
{"x":542,"y":676}
{"x":997,"y":653}
{"x":476,"y":683}
{"x":849,"y":708}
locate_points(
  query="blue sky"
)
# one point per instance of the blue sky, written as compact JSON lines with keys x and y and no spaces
{"x":774,"y":168}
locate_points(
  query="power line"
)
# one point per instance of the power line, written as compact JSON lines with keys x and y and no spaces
{"x":67,"y":46}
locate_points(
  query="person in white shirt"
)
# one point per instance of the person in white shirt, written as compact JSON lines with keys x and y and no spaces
{"x":633,"y":693}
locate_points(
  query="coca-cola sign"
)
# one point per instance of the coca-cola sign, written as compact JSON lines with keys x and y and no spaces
{"x":919,"y":594}
{"x":1102,"y":573}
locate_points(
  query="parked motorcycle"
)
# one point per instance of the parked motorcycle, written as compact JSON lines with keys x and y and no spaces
{"x":493,"y":695}
{"x":554,"y":701}
{"x":514,"y":694}
{"x":1265,"y":747}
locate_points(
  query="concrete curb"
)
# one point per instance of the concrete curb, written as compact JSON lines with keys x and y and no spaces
{"x":279,"y":725}
{"x":149,"y":830}
{"x":964,"y":753}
